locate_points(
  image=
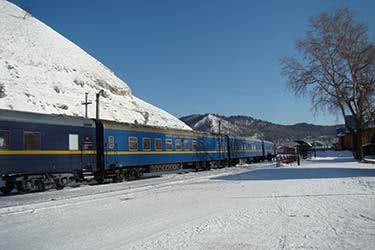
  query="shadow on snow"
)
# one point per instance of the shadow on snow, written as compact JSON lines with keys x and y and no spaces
{"x":298,"y":173}
{"x":337,"y":160}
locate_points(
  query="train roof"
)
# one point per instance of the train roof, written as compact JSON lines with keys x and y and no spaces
{"x":52,"y":119}
{"x":249,"y":139}
{"x":147,"y":128}
{"x":65,"y":120}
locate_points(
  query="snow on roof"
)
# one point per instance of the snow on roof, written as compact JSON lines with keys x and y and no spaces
{"x":42,"y":71}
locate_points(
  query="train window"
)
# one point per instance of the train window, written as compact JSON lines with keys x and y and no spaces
{"x":146,"y":142}
{"x":158,"y":145}
{"x":73,"y":142}
{"x":178,"y":144}
{"x":4,"y":139}
{"x":31,"y":140}
{"x":133,"y":143}
{"x":186,"y":145}
{"x":194,"y":145}
{"x":168,"y":144}
{"x":111,"y":142}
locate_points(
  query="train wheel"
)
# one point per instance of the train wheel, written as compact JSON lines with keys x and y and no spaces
{"x":6,"y":189}
{"x":30,"y":185}
{"x":59,"y":185}
{"x":20,"y":187}
{"x":136,"y":173}
{"x":40,"y":185}
{"x":64,"y":181}
{"x":141,"y":172}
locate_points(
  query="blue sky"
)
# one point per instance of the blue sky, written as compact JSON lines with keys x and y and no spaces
{"x":199,"y":56}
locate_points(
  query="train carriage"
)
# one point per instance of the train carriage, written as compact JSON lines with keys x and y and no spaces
{"x":130,"y":149}
{"x":36,"y":147}
{"x":244,"y":149}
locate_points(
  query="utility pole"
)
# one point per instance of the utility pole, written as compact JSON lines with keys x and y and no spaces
{"x":97,"y":103}
{"x":86,"y":103}
{"x":219,"y":127}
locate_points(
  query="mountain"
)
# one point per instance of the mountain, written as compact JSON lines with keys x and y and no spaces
{"x":251,"y":127}
{"x":42,"y":71}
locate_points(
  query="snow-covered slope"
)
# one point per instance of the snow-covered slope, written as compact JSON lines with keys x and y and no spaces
{"x":42,"y":71}
{"x":211,"y":123}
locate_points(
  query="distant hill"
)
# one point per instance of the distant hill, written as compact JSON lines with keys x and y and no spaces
{"x":251,"y":127}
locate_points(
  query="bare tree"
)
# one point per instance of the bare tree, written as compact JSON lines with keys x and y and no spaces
{"x":337,"y":69}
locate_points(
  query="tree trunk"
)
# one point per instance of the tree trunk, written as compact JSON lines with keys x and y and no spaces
{"x":357,"y":145}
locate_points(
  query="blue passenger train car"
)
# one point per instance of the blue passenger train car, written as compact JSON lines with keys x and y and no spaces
{"x":130,"y":149}
{"x":245,"y":148}
{"x":32,"y":145}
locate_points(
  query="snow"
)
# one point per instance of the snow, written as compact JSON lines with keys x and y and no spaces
{"x":324,"y":204}
{"x":42,"y":71}
{"x":211,"y":123}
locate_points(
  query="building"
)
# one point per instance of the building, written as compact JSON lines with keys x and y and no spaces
{"x":345,"y":138}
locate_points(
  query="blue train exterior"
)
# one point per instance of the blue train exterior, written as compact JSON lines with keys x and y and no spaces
{"x":33,"y":144}
{"x":245,"y":148}
{"x":129,"y":145}
{"x":269,"y":150}
{"x":38,"y":150}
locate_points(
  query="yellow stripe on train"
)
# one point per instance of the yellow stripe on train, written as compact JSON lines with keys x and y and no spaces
{"x":46,"y":152}
{"x":78,"y":152}
{"x":159,"y":152}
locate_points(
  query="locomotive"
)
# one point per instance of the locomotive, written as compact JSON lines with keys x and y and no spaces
{"x":42,"y":151}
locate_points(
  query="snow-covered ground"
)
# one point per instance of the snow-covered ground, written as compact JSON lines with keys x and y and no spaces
{"x":327,"y":203}
{"x":42,"y":71}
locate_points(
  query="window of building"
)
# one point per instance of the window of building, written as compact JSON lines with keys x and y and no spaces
{"x":4,"y":139}
{"x":186,"y":145}
{"x":133,"y":143}
{"x":168,"y":144}
{"x":31,"y":140}
{"x":194,"y":145}
{"x":146,"y":142}
{"x":73,"y":142}
{"x":178,"y":144}
{"x":158,"y":145}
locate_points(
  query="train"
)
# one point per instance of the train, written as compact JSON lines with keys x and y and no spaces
{"x":43,"y":151}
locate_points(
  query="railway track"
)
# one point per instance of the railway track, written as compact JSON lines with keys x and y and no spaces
{"x":32,"y":202}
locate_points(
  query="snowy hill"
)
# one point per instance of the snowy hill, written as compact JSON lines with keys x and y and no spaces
{"x":42,"y":71}
{"x":251,"y":127}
